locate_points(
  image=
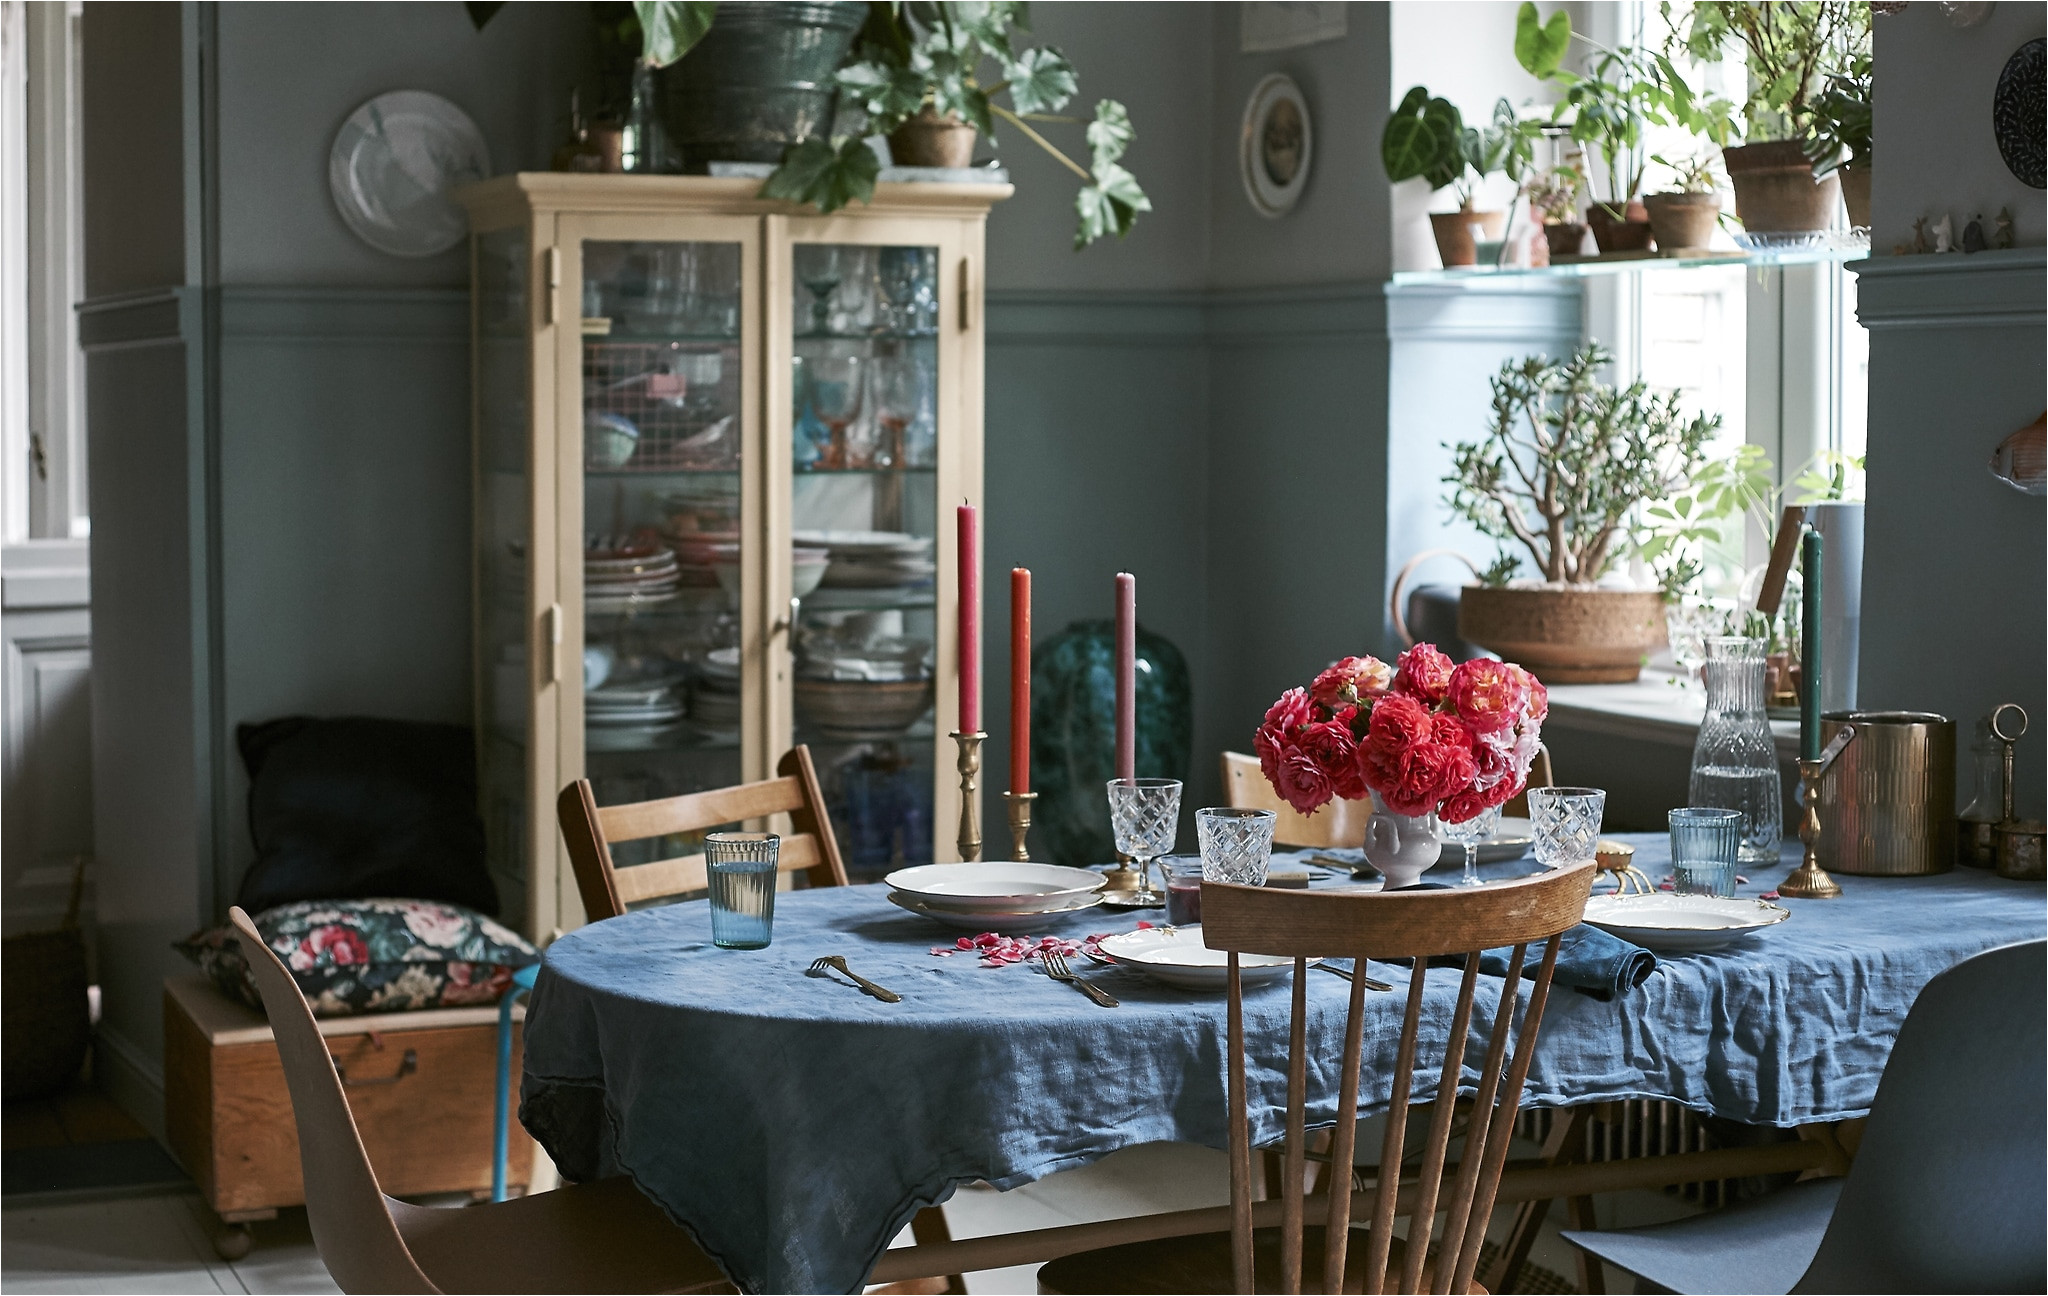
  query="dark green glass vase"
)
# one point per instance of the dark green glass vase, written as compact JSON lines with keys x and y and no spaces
{"x":1073,"y":734}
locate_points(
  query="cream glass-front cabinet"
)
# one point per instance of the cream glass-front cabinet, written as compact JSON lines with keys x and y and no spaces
{"x":714,"y":440}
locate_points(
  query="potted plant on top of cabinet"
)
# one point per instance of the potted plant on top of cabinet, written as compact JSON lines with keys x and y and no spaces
{"x":1561,"y":474}
{"x":1793,"y":48}
{"x":1427,"y":136}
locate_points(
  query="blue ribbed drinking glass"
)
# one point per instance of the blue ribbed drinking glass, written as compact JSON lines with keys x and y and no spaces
{"x":742,"y":878}
{"x":1704,"y":844}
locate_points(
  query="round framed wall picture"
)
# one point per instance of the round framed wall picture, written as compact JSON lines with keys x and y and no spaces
{"x":1275,"y":146}
{"x":2017,"y":114}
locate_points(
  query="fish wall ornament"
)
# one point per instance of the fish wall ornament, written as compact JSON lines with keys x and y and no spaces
{"x":2021,"y":460}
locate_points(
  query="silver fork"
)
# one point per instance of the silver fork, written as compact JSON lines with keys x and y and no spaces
{"x":1348,"y":974}
{"x":837,"y":964}
{"x":1056,"y":968}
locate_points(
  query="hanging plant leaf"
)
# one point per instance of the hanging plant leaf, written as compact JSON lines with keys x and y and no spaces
{"x":1539,"y":45}
{"x":826,"y":177}
{"x":887,"y":95}
{"x":1110,"y":133}
{"x":1041,"y":80}
{"x":669,"y":28}
{"x":1109,"y":206}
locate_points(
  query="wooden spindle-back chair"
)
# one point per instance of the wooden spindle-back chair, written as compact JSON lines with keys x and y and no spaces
{"x":1418,"y":925}
{"x":1340,"y":824}
{"x":590,"y":832}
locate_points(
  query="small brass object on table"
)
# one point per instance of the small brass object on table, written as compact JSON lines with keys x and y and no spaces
{"x":1124,"y":887}
{"x":1619,"y":860}
{"x":970,"y":794}
{"x":1019,"y":804}
{"x":2016,"y":843}
{"x":1810,"y":881}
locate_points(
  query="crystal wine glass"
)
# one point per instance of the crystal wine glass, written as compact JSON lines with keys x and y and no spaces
{"x":837,"y":387}
{"x":1144,"y":814}
{"x":819,"y":266}
{"x":1468,"y":835}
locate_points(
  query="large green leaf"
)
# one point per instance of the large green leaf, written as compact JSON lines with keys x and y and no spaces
{"x":1041,"y":80}
{"x":1109,"y":206}
{"x":1110,"y":133}
{"x":826,"y":177}
{"x":886,"y":94}
{"x":668,"y":28}
{"x":1423,"y":138}
{"x":1540,"y":46}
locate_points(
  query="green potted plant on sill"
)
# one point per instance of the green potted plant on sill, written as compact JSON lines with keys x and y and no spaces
{"x":1683,"y":217}
{"x":1427,"y":137}
{"x":1553,"y":199}
{"x":1560,"y":475}
{"x":1794,"y":50}
{"x":1840,"y":144}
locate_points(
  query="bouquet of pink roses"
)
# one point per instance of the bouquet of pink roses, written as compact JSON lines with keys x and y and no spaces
{"x":1426,"y":735}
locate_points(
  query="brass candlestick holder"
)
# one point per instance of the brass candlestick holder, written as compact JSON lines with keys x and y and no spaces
{"x":1020,"y":823}
{"x":1810,"y":881}
{"x":970,"y":794}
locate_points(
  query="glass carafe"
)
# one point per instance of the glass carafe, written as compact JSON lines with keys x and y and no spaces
{"x":1735,"y":762}
{"x":1976,"y":844}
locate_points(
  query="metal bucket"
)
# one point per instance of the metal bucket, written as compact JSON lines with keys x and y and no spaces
{"x":1888,"y":804}
{"x":759,"y":81}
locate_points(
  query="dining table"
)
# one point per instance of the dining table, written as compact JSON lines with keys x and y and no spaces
{"x":794,"y":1124}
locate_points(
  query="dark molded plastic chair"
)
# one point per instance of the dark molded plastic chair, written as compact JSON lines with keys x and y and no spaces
{"x":1949,"y":1189}
{"x":595,"y":1237}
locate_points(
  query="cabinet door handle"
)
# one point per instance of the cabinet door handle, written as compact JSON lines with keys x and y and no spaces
{"x":796,"y":606}
{"x":966,"y":294}
{"x":554,"y":643}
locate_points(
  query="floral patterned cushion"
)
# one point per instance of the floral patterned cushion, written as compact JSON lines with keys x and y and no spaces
{"x":371,"y":956}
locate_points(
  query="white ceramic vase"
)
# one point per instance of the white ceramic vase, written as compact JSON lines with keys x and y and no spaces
{"x":1401,"y":847}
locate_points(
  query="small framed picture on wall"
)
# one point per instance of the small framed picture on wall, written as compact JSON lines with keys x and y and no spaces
{"x":1276,"y":145}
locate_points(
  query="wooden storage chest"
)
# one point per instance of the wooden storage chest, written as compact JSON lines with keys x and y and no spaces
{"x":421,"y":1085}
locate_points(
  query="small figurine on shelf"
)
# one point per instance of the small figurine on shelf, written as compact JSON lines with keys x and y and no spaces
{"x":1973,"y":234}
{"x":1921,"y":247}
{"x":1944,"y":234}
{"x":2002,"y":237}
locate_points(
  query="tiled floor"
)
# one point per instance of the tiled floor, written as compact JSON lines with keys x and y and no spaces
{"x":161,"y":1244}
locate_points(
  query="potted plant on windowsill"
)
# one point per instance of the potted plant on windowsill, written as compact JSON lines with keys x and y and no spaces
{"x":1561,"y":474}
{"x":1554,"y":200}
{"x":1683,"y":218}
{"x":1427,"y":137}
{"x":1793,"y":49}
{"x":1840,"y":145}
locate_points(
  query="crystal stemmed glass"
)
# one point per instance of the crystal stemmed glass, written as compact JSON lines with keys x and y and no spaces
{"x":819,"y":266}
{"x":1144,"y":815}
{"x":837,"y":388}
{"x":1468,"y":835}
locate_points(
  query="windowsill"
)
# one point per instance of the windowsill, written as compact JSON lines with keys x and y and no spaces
{"x":1656,"y":708}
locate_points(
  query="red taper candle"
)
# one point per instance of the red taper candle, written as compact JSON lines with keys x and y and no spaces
{"x":1020,"y":679}
{"x":1126,"y":675}
{"x":970,"y":622}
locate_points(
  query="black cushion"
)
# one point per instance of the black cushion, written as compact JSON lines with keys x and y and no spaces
{"x":355,"y":808}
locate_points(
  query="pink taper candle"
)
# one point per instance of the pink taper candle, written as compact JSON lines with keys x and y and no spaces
{"x":1020,"y":679}
{"x":970,"y":623}
{"x":1126,"y":675}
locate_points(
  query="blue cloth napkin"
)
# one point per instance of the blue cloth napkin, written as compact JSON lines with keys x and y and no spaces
{"x":1589,"y":960}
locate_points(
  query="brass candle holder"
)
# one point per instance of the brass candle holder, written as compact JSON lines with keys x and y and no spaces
{"x":1810,"y":881}
{"x":970,"y":794}
{"x":1019,"y":804}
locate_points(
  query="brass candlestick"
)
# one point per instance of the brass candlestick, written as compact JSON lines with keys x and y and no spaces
{"x":970,"y":794}
{"x":1020,"y":823}
{"x":1810,"y":881}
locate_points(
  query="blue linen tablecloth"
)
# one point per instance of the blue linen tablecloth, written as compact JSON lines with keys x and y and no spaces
{"x":794,"y":1125}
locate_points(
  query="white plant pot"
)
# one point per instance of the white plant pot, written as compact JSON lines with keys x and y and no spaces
{"x":1401,"y":847}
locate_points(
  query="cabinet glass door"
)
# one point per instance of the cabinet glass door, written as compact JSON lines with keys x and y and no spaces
{"x":662,"y":588}
{"x":863,"y":442}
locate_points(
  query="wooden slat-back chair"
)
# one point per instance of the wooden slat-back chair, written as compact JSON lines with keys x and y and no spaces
{"x":1338,"y":824}
{"x":1517,"y":806}
{"x":607,"y":889}
{"x":1417,"y":925}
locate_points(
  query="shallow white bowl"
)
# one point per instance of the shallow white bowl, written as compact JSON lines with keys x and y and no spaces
{"x":996,"y":887}
{"x":1177,"y":956}
{"x":1681,"y":924}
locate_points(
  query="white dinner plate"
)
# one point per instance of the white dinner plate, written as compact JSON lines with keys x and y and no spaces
{"x":981,"y":920}
{"x":1176,"y":956}
{"x":996,"y":887}
{"x":1680,"y":924}
{"x":394,"y":161}
{"x":1510,"y":841}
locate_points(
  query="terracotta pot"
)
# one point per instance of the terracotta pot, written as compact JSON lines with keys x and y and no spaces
{"x":1856,"y":193}
{"x":1566,"y":636}
{"x":1564,"y":240}
{"x":929,"y":140}
{"x":1775,"y":192}
{"x":1682,"y":221}
{"x":1455,"y":245}
{"x":1611,"y":235}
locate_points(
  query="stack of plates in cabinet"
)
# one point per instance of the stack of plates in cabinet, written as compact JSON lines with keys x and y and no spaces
{"x":872,"y":559}
{"x":620,"y":574}
{"x":698,"y":554}
{"x":715,"y":694}
{"x":637,"y":707}
{"x":998,"y":896}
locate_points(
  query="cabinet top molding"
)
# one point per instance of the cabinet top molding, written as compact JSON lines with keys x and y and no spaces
{"x":507,"y":199}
